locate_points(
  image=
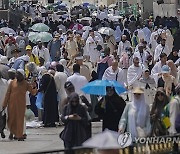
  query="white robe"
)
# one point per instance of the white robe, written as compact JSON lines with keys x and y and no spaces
{"x":91,"y":45}
{"x":141,"y":34}
{"x":84,"y":37}
{"x":122,"y":47}
{"x":153,"y":41}
{"x":147,"y":34}
{"x":169,"y":39}
{"x":109,"y":74}
{"x":118,"y":34}
{"x":3,"y":89}
{"x":156,"y":70}
{"x":78,"y":81}
{"x":136,"y":118}
{"x":173,"y":112}
{"x":160,"y":49}
{"x":133,"y":75}
{"x":149,"y":93}
{"x":60,"y":79}
{"x":142,"y":58}
{"x":43,"y":53}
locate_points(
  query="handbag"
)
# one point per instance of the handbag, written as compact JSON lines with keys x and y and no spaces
{"x":165,"y":117}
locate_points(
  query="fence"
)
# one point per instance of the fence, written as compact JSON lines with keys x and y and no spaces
{"x":163,"y":147}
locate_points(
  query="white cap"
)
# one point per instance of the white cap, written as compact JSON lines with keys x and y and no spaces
{"x":10,"y":34}
{"x":4,"y":60}
{"x":21,"y":71}
{"x":79,"y":58}
{"x":12,"y":70}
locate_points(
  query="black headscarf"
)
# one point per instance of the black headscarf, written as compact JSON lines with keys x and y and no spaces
{"x":172,"y":57}
{"x":73,"y":96}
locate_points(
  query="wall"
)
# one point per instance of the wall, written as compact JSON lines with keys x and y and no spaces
{"x":0,"y":4}
{"x":146,"y":5}
{"x":4,"y":14}
{"x":164,"y":10}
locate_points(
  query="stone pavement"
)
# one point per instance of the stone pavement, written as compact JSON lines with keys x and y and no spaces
{"x":39,"y":139}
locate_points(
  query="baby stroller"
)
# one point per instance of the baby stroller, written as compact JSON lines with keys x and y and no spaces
{"x":2,"y":123}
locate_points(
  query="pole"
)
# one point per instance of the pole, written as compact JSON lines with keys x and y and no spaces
{"x":118,"y":4}
{"x":122,"y":4}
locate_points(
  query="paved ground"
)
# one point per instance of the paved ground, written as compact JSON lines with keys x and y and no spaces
{"x":41,"y":139}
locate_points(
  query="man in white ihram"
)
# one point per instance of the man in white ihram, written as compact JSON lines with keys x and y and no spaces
{"x":77,"y":80}
{"x":114,"y":73}
{"x":161,"y":48}
{"x":134,"y":73}
{"x":123,"y":45}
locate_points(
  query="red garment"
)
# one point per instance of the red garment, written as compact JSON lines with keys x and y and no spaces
{"x":10,"y":38}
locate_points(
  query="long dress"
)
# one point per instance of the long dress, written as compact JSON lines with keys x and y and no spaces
{"x":3,"y":88}
{"x":157,"y":127}
{"x":74,"y":133}
{"x":136,"y":115}
{"x":149,"y":89}
{"x":15,"y":101}
{"x":60,"y":79}
{"x":91,"y":47}
{"x":47,"y":85}
{"x":111,"y":112}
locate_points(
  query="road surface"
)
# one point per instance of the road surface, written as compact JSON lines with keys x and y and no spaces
{"x":40,"y":139}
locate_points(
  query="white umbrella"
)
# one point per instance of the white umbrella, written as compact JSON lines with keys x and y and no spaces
{"x":112,"y":6}
{"x":106,"y":30}
{"x":42,"y":36}
{"x":105,"y":140}
{"x":114,"y":18}
{"x":40,"y":27}
{"x":94,"y":14}
{"x":86,"y":18}
{"x":85,"y":28}
{"x":7,"y":30}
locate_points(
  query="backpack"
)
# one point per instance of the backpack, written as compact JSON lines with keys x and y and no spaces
{"x":21,"y":44}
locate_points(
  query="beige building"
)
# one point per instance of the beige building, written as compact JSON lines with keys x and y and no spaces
{"x":106,"y":2}
{"x":145,"y":5}
{"x":168,"y":9}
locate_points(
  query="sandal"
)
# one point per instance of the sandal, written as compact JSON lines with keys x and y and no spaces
{"x":3,"y":135}
{"x":24,"y":136}
{"x":11,"y":136}
{"x":21,"y":139}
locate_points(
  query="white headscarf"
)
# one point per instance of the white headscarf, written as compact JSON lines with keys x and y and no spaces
{"x":137,"y":118}
{"x":118,"y":34}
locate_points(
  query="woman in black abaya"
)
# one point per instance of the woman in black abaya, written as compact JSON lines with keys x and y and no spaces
{"x":50,"y":103}
{"x":110,"y":109}
{"x":75,"y":119}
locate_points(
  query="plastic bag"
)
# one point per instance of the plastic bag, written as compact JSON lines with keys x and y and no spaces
{"x":39,"y":100}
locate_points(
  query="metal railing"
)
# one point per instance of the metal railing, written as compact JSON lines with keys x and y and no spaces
{"x":165,"y":146}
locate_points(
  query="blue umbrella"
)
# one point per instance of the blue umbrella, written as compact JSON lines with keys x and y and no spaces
{"x":98,"y":87}
{"x":85,"y":4}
